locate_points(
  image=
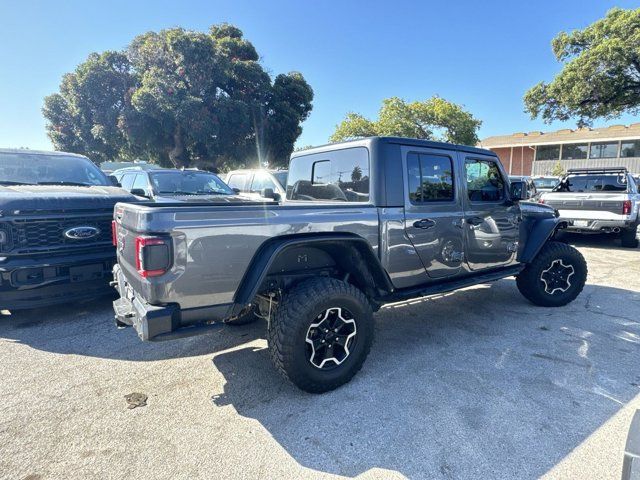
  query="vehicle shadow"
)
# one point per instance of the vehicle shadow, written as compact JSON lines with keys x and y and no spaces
{"x":476,"y":383}
{"x":456,"y":388}
{"x":88,"y":328}
{"x":608,"y":241}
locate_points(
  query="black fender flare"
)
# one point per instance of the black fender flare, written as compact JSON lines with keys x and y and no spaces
{"x":360,"y":253}
{"x":534,"y":233}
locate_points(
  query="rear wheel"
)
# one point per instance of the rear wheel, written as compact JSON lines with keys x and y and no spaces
{"x":628,"y":238}
{"x":321,"y":334}
{"x":555,"y":277}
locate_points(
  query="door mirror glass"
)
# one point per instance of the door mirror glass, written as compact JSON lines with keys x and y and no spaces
{"x":139,"y":192}
{"x":269,"y":193}
{"x":519,"y":191}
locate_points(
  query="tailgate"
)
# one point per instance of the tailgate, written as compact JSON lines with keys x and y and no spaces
{"x":596,"y":202}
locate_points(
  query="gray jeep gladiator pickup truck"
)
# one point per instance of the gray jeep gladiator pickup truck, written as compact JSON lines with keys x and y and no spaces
{"x":365,"y":223}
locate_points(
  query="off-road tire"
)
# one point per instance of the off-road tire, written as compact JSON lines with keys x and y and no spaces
{"x":290,"y":325}
{"x":245,"y":317}
{"x":628,"y":238}
{"x":534,"y":289}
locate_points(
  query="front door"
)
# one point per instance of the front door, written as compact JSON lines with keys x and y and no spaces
{"x":433,"y":210}
{"x":491,"y":219}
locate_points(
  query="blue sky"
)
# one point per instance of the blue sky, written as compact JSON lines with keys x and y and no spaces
{"x":483,"y":55}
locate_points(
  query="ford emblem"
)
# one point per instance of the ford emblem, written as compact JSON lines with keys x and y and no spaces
{"x":81,"y":233}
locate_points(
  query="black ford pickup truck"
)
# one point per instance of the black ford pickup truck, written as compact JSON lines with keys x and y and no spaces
{"x":56,"y":211}
{"x":364,"y":223}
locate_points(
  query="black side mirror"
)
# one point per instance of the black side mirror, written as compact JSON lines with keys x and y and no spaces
{"x":519,"y":191}
{"x":114,"y":181}
{"x":139,"y":192}
{"x":269,"y":193}
{"x":236,"y":190}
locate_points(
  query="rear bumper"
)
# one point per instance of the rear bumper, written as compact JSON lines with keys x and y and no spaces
{"x":597,"y":226}
{"x":36,"y":282}
{"x":162,"y":322}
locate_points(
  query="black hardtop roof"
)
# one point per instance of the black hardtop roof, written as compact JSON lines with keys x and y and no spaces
{"x":393,"y":140}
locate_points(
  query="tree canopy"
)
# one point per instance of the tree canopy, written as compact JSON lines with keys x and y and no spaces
{"x":432,"y":119}
{"x":180,"y":98}
{"x":600,"y":77}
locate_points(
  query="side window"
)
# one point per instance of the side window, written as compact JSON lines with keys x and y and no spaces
{"x":127,"y":181}
{"x":141,"y":182}
{"x":339,"y":175}
{"x":239,"y":181}
{"x":430,"y":178}
{"x":484,"y":181}
{"x":261,"y":180}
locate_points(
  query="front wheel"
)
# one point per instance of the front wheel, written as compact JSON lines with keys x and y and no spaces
{"x":555,"y":277}
{"x":321,"y":334}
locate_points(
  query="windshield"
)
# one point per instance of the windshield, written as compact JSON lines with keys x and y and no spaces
{"x":545,"y":182}
{"x":282,"y":178}
{"x":593,"y":183}
{"x":32,"y":169}
{"x":174,"y":182}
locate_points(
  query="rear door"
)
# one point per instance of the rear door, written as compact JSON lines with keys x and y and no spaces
{"x":433,"y":209}
{"x":491,"y":219}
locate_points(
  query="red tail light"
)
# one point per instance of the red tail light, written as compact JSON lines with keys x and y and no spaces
{"x":114,"y":233}
{"x":541,"y":200}
{"x":152,"y":256}
{"x":626,"y":207}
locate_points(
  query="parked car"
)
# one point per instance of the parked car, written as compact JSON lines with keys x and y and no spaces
{"x":545,"y":184}
{"x":531,"y":190}
{"x":365,"y":223}
{"x":112,"y":168}
{"x":259,"y":183}
{"x":596,"y":200}
{"x":56,"y":211}
{"x":170,"y":185}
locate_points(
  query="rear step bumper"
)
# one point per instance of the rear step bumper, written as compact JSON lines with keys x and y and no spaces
{"x":162,"y":322}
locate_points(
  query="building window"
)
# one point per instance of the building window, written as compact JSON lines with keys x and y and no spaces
{"x":630,"y":149}
{"x":604,"y":150}
{"x":430,"y":178}
{"x":574,"y":151}
{"x":548,"y":152}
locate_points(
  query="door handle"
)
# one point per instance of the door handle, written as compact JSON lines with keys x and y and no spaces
{"x":424,"y":223}
{"x":475,"y":221}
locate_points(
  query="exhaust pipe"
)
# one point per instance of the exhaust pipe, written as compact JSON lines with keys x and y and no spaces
{"x":616,"y":229}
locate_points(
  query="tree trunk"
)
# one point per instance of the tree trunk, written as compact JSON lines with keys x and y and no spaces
{"x":177,"y":154}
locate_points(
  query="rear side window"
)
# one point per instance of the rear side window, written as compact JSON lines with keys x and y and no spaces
{"x":239,"y":181}
{"x":594,"y":183}
{"x":430,"y":178}
{"x":341,"y":175}
{"x":484,"y":181}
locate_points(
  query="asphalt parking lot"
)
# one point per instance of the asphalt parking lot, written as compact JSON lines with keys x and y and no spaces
{"x":473,"y":384}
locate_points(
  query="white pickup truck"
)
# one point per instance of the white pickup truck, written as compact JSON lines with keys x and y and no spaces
{"x":596,"y":200}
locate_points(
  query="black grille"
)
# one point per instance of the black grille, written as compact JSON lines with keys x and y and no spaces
{"x":38,"y":234}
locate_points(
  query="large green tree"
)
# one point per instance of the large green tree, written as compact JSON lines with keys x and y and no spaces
{"x":180,"y":98}
{"x":432,"y":119}
{"x":600,"y":76}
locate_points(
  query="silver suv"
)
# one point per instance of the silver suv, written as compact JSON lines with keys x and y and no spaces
{"x":258,"y":184}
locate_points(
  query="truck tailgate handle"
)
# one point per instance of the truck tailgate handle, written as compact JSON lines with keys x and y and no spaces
{"x":475,"y":220}
{"x":424,"y":223}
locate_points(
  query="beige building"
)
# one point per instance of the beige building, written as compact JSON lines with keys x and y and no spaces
{"x":536,"y":153}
